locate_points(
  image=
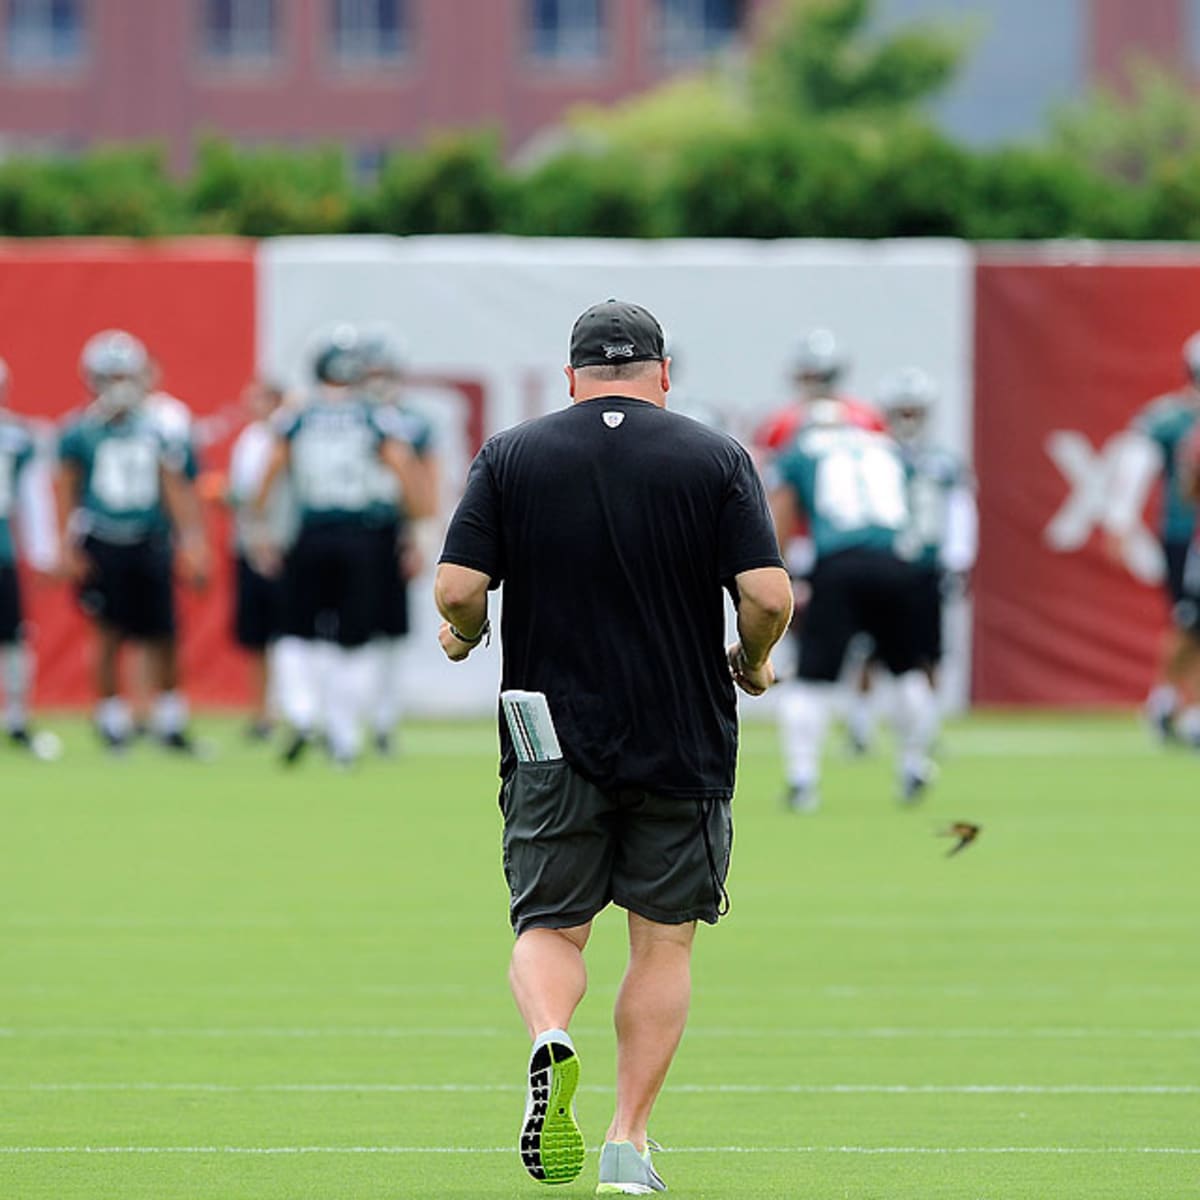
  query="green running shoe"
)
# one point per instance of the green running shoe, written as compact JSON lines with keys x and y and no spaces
{"x":625,"y":1172}
{"x":551,"y":1144}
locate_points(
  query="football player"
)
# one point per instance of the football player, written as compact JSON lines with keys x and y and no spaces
{"x":260,"y":544}
{"x":1150,"y":451}
{"x":942,"y":535}
{"x":850,"y":484}
{"x":121,"y":491}
{"x":817,"y":369}
{"x":329,"y":447}
{"x":174,"y":421}
{"x":18,"y":492}
{"x":397,"y":540}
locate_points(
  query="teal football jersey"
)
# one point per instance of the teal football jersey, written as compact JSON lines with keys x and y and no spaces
{"x":403,"y":425}
{"x":334,"y":453}
{"x":16,"y":453}
{"x":851,"y":484}
{"x":1167,"y":422}
{"x":931,"y":475}
{"x":119,"y":460}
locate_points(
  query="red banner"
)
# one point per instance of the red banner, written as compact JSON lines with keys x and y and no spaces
{"x":193,"y":304}
{"x":1065,"y":354}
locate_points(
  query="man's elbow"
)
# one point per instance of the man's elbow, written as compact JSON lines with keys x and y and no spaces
{"x":456,"y":589}
{"x":776,"y":607}
{"x":771,"y":596}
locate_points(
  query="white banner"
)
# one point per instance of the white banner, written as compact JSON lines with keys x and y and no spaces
{"x":486,"y":322}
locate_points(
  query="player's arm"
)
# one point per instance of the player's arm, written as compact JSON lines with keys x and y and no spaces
{"x":785,"y":512}
{"x":277,"y":463}
{"x":68,"y":485}
{"x":417,"y":482}
{"x":1137,"y":462}
{"x":960,"y":546}
{"x":183,"y":508}
{"x":461,"y":597}
{"x":764,"y":610}
{"x":418,"y":545}
{"x":37,"y":513}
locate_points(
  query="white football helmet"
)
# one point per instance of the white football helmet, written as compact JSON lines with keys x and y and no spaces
{"x":1191,"y":357}
{"x":116,"y":368}
{"x":819,"y":358}
{"x":907,"y":397}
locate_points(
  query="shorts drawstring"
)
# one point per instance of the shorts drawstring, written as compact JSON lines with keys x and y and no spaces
{"x":720,"y":895}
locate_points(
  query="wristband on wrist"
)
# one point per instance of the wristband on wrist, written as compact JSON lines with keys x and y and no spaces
{"x":473,"y":641}
{"x":743,"y":662}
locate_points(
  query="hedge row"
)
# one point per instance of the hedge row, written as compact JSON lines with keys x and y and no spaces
{"x":767,"y":181}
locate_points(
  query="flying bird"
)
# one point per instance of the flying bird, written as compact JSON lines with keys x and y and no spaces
{"x":964,"y":831}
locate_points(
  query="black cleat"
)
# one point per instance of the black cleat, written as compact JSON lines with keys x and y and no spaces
{"x":114,"y":743}
{"x":294,"y":751}
{"x":801,"y":798}
{"x":1162,"y":725}
{"x":914,"y":785}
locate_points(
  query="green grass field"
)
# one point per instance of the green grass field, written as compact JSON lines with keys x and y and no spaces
{"x":221,"y":980}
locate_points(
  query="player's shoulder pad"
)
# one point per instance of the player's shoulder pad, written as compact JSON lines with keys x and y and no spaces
{"x":945,"y":466}
{"x":284,"y":422}
{"x":1157,"y":413}
{"x":401,"y":424}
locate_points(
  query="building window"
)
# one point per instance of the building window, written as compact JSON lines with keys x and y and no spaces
{"x":369,"y":30}
{"x":240,"y":29}
{"x":43,"y":34}
{"x":690,"y":29}
{"x":568,"y":30}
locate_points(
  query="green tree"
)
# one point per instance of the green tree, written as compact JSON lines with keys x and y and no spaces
{"x":1128,"y":137}
{"x":817,"y":57}
{"x":457,"y":184}
{"x":1025,"y":192}
{"x":270,"y":190}
{"x":116,"y":191}
{"x":586,"y":195}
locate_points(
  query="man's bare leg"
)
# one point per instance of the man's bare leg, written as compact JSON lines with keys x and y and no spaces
{"x":256,"y":661}
{"x":651,"y":1011}
{"x":548,"y":980}
{"x":548,"y":976}
{"x":108,"y":651}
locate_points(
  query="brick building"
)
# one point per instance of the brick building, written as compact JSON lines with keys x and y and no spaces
{"x":369,"y":73}
{"x":363,"y":72}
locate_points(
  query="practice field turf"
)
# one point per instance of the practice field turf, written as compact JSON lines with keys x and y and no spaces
{"x":225,"y":980}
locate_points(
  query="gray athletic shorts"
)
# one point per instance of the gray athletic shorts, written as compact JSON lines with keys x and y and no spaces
{"x":571,"y":848}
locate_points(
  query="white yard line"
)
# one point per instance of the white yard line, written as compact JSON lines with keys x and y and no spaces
{"x":733,"y":1032}
{"x":751,"y":1089}
{"x":870,"y":1150}
{"x":839,"y":991}
{"x":941,"y":923}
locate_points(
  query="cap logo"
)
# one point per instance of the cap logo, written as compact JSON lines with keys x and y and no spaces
{"x":613,"y":419}
{"x":618,"y":350}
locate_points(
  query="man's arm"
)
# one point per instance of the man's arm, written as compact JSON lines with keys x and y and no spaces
{"x":461,"y":597}
{"x":277,"y":463}
{"x":183,"y":507}
{"x":72,"y":563}
{"x":764,"y":612}
{"x":418,"y":483}
{"x":785,"y":512}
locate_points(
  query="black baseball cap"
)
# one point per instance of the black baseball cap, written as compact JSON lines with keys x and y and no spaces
{"x":616,"y":332}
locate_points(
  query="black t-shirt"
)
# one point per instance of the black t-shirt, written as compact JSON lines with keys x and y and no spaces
{"x":614,"y":525}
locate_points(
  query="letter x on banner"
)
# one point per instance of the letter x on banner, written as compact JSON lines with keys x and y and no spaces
{"x":1065,"y":356}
